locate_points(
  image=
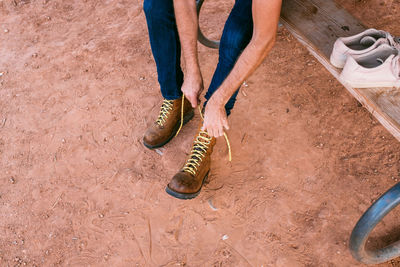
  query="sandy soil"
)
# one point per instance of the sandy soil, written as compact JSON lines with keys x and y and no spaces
{"x":78,"y":188}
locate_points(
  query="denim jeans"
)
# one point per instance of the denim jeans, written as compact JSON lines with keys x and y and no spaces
{"x":165,"y":45}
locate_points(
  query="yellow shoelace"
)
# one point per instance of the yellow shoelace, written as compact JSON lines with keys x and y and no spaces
{"x":200,"y":145}
{"x":198,"y":152}
{"x":166,"y":107}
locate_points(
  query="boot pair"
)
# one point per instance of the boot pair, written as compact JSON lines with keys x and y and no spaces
{"x":187,"y":183}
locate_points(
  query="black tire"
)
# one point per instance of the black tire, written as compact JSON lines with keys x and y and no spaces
{"x":202,"y":39}
{"x":367,"y":223}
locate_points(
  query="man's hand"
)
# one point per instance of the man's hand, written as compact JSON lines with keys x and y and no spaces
{"x":192,"y":87}
{"x":215,"y":119}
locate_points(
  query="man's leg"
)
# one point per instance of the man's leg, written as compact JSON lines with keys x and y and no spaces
{"x":236,"y":35}
{"x":165,"y":45}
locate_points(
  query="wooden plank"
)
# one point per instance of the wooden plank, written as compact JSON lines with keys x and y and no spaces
{"x":317,"y":24}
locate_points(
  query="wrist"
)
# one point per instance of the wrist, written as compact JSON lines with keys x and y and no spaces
{"x":194,"y":76}
{"x":193,"y":71}
{"x":217,"y":100}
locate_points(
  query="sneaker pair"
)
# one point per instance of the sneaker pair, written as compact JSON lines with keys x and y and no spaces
{"x":369,"y":59}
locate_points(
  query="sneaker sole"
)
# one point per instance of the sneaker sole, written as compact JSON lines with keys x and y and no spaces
{"x":185,"y":196}
{"x":186,"y":119}
{"x":370,"y":85}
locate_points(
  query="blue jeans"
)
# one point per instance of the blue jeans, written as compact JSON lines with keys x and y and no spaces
{"x":165,"y":45}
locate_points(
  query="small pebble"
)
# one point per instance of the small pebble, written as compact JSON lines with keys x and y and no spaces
{"x":211,"y":205}
{"x":101,"y":215}
{"x":12,"y":180}
{"x":225,"y":237}
{"x":142,"y":78}
{"x":245,"y":84}
{"x":159,"y":152}
{"x":6,"y":30}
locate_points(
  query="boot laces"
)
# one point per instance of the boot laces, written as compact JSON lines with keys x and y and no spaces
{"x":166,"y":107}
{"x":199,"y":151}
{"x":200,"y":146}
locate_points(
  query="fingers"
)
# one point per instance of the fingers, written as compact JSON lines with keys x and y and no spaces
{"x":214,"y":122}
{"x":194,"y":101}
{"x":214,"y":129}
{"x":192,"y":93}
{"x":225,"y":123}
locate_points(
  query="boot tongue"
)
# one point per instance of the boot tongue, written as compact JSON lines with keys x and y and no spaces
{"x":367,"y":41}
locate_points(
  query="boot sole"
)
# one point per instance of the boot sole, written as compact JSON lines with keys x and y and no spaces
{"x":186,"y":119}
{"x":185,"y":196}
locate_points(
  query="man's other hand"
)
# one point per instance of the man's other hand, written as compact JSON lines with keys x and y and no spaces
{"x":192,"y":87}
{"x":215,"y":119}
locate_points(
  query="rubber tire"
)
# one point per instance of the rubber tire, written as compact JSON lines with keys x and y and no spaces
{"x":367,"y":223}
{"x":202,"y":39}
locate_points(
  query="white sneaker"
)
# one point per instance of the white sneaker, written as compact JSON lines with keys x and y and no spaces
{"x":377,"y":68}
{"x":359,"y":44}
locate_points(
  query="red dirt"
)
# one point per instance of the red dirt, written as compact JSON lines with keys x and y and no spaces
{"x":78,"y":188}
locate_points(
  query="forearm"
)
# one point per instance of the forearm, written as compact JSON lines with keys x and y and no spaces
{"x":250,"y":59}
{"x":265,"y":20}
{"x":187,"y":23}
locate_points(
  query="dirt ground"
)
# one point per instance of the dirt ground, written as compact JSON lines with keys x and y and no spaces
{"x":78,"y":87}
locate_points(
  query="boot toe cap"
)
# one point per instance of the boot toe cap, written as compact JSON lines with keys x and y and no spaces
{"x":149,"y":138}
{"x":184,"y":183}
{"x":152,"y":138}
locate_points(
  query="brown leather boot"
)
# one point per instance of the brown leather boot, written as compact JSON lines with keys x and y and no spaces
{"x":168,"y":122}
{"x":187,"y":183}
